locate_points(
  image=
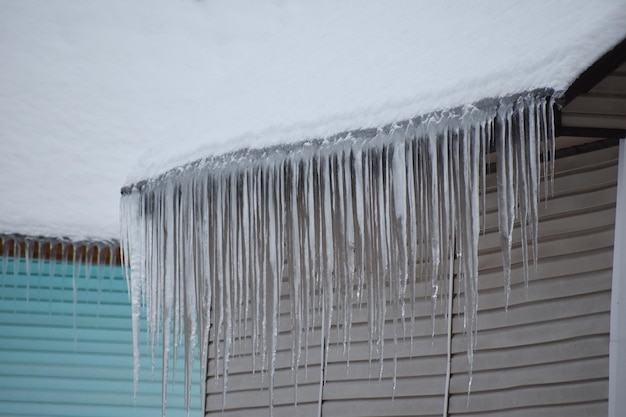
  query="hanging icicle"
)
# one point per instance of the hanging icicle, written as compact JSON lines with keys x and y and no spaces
{"x":43,"y":250}
{"x":357,"y":219}
{"x":50,"y":256}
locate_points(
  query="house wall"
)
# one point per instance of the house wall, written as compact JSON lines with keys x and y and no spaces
{"x":66,"y":345}
{"x":547,"y":354}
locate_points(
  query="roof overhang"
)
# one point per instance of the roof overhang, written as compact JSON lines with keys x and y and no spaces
{"x":613,"y":64}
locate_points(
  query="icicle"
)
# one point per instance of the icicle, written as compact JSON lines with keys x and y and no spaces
{"x":76,"y":266}
{"x":506,"y":202}
{"x":28,"y":252}
{"x":273,"y":246}
{"x":354,"y":220}
{"x":6,"y":247}
{"x":349,"y":252}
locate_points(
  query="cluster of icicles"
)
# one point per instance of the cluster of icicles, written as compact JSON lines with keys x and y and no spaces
{"x":86,"y":254}
{"x":52,"y":256}
{"x":356,"y":221}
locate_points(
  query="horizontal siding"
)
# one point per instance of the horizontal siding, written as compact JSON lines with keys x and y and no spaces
{"x":419,"y":364}
{"x":548,"y":354}
{"x":427,"y":406}
{"x":69,"y":353}
{"x":248,"y":393}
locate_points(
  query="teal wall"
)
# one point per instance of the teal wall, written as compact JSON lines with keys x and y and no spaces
{"x":66,"y":357}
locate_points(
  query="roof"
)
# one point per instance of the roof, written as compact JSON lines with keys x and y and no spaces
{"x":95,"y":95}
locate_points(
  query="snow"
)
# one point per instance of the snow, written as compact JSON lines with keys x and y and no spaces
{"x":91,"y":91}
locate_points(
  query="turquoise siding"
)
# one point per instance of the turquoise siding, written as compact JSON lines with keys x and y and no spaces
{"x":69,"y":353}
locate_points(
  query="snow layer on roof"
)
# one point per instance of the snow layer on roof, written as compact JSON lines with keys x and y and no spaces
{"x":93,"y":90}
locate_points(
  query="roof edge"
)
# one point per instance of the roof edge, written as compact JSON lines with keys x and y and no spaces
{"x":491,"y":104}
{"x":594,"y":74}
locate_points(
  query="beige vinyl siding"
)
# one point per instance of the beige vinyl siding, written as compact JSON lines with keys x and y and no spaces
{"x":248,"y":393}
{"x":420,"y":369}
{"x":548,"y":355}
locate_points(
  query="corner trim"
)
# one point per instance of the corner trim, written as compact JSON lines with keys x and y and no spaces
{"x":617,"y":340}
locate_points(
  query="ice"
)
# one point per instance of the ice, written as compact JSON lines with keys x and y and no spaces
{"x":355,"y":221}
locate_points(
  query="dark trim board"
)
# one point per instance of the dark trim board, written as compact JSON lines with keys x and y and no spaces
{"x":590,"y":132}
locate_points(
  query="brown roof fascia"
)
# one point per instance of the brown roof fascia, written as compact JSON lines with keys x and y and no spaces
{"x":33,"y":248}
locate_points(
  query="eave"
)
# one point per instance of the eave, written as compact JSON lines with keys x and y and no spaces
{"x":595,"y":103}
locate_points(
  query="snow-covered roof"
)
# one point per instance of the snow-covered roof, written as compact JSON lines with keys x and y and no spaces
{"x":91,"y":91}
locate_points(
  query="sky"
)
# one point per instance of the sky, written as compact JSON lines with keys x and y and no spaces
{"x":98,"y":94}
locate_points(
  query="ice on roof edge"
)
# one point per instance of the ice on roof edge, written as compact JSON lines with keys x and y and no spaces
{"x":249,"y":154}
